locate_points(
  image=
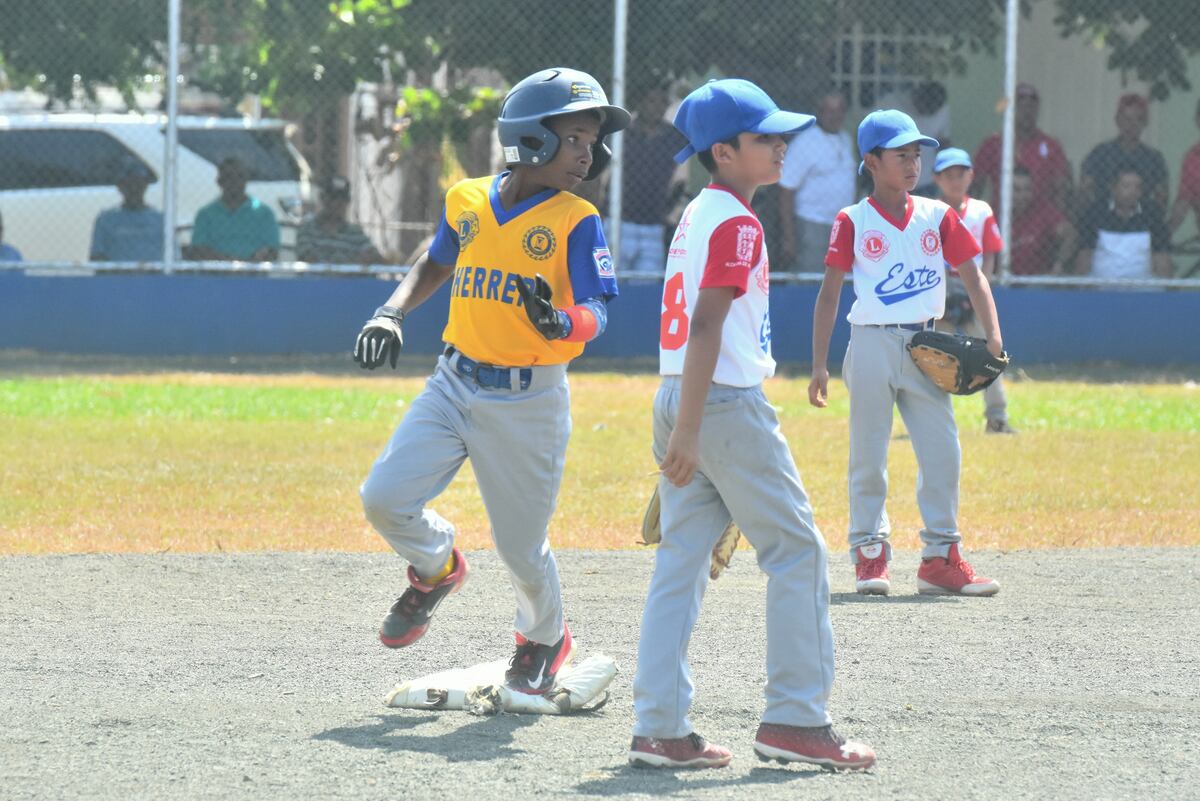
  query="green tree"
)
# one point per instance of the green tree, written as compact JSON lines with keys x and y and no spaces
{"x":1150,"y":38}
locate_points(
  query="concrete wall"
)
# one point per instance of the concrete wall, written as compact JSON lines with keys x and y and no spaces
{"x":219,"y":315}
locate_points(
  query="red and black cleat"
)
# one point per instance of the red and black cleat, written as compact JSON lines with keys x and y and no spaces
{"x":409,"y":618}
{"x":534,"y":667}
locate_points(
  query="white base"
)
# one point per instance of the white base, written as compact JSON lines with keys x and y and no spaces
{"x":480,"y":690}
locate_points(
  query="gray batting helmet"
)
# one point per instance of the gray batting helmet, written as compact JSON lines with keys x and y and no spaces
{"x":551,"y":93}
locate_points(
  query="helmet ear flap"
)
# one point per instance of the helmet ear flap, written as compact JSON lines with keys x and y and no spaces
{"x":601,"y":156}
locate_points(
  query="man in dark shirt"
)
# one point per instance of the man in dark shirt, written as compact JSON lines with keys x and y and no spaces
{"x":648,"y":172}
{"x":1101,"y":165}
{"x":1124,"y":236}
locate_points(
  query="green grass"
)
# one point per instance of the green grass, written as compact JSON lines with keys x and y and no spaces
{"x":207,"y":461}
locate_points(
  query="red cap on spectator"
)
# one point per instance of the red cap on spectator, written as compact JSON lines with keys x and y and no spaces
{"x":1132,"y":99}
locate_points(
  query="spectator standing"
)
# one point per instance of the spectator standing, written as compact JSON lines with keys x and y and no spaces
{"x":1036,"y":151}
{"x":817,"y":183}
{"x":1100,"y":167}
{"x":1041,"y":239}
{"x":1188,"y":197}
{"x":1125,"y":235}
{"x":7,"y":251}
{"x":235,"y":226}
{"x":131,"y":232}
{"x":648,"y":174}
{"x":328,"y":237}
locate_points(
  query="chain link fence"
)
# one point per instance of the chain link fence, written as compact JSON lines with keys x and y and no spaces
{"x":323,"y":135}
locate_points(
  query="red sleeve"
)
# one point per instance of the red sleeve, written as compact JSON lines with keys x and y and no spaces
{"x":733,"y":250}
{"x":1189,"y":178}
{"x":841,"y":244}
{"x":987,"y":160}
{"x":992,"y":241}
{"x":958,"y":246}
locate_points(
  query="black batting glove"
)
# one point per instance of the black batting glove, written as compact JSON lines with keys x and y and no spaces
{"x":380,"y":339}
{"x":549,"y":321}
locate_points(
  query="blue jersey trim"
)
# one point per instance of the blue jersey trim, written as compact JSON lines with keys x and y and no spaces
{"x":444,"y":248}
{"x":587,"y":256}
{"x":507,"y":215}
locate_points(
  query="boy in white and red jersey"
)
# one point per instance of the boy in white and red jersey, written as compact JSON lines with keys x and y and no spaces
{"x":723,"y":456}
{"x":952,"y":172}
{"x":895,"y":247}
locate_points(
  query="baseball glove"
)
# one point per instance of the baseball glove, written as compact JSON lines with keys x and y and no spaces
{"x":958,"y":364}
{"x":722,"y":552}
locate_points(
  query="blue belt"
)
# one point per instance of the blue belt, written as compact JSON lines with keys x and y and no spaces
{"x":925,"y":326}
{"x":488,"y":376}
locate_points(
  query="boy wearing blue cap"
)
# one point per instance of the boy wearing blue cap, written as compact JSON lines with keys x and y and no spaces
{"x":953,"y":173}
{"x":723,"y":456}
{"x":895,"y":246}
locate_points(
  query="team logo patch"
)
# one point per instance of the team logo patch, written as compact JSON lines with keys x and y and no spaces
{"x":874,"y":245}
{"x":747,"y":238}
{"x":539,"y":243}
{"x":604,"y":262}
{"x":583,"y":91}
{"x":930,"y":243}
{"x":763,"y":278}
{"x":467,"y":228}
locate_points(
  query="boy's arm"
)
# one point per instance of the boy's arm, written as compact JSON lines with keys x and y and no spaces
{"x":980,"y":292}
{"x":422,"y":281}
{"x":824,"y":316}
{"x":989,"y":265}
{"x":704,"y":345}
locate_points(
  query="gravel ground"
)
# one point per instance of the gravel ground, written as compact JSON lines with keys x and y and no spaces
{"x":259,"y":676}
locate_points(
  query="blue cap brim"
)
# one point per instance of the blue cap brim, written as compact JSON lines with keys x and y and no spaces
{"x":777,"y":122}
{"x":783,"y":122}
{"x":906,"y":138}
{"x":953,"y":162}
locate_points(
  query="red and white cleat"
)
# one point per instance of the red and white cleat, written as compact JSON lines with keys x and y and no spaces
{"x":870,"y":571}
{"x":692,"y":751}
{"x":953,"y":576}
{"x":819,"y":745}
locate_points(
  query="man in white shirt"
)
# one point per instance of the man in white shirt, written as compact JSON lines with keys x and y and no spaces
{"x":817,"y":183}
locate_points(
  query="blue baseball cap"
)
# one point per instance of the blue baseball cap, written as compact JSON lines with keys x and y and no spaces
{"x":722,"y":109}
{"x":888,"y":128}
{"x":952,"y":157}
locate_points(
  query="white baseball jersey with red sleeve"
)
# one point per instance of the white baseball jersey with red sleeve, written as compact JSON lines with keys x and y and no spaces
{"x":719,"y":243}
{"x":897,"y":265}
{"x":978,"y":218}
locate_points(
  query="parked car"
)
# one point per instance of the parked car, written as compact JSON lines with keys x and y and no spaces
{"x":57,"y":172}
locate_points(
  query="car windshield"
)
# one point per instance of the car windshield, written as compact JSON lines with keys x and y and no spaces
{"x":264,"y":153}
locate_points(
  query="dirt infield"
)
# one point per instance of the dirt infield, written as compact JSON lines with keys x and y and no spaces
{"x":258,"y":676}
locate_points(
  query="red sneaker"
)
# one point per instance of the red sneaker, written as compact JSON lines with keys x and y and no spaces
{"x":818,"y":745}
{"x":692,"y":751}
{"x":952,"y":576}
{"x":871,"y":570}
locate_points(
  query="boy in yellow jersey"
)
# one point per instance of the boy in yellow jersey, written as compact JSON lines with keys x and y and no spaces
{"x":531,"y":277}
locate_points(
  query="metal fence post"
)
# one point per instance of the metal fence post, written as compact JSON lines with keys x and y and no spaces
{"x":620,"y":12}
{"x":172,"y":137}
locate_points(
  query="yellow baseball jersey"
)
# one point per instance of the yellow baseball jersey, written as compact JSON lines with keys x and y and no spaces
{"x":556,"y":234}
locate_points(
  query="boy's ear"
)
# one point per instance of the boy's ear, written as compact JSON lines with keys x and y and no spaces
{"x":722,"y":153}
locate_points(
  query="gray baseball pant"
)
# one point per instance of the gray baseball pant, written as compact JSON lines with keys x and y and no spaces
{"x":880,"y":376}
{"x":517,"y":442}
{"x":746,"y":473}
